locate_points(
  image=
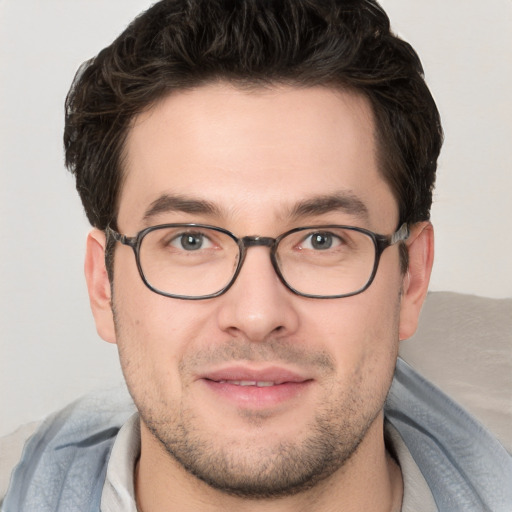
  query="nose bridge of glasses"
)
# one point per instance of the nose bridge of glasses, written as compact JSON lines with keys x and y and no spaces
{"x":254,"y":241}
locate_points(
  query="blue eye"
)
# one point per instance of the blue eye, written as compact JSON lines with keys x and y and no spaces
{"x":191,"y":241}
{"x":321,"y":241}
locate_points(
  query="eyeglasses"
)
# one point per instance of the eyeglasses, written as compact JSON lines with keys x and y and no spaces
{"x":197,"y":261}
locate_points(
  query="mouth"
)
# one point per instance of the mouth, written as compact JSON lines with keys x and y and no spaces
{"x":256,"y":389}
{"x":259,"y":384}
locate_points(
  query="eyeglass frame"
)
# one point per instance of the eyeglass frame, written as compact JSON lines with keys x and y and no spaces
{"x":380,"y":243}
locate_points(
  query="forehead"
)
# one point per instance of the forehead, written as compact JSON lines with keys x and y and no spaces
{"x":254,"y":153}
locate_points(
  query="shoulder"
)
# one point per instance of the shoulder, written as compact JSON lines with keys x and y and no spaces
{"x":464,"y":346}
{"x":69,"y":452}
{"x":465,"y":466}
{"x":456,"y":424}
{"x":11,"y":447}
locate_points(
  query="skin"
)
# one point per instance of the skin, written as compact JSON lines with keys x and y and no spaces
{"x":255,"y":155}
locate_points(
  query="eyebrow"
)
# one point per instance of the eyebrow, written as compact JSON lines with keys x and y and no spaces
{"x":346,"y":202}
{"x":175,"y":203}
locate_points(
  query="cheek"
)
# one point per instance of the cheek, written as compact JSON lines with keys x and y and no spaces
{"x":146,"y":322}
{"x":356,"y":324}
{"x":151,"y":328}
{"x":155,"y":333}
{"x":152,"y":332}
{"x":361,"y":332}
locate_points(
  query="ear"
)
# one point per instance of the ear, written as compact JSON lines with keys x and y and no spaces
{"x":98,"y":285}
{"x":420,"y":247}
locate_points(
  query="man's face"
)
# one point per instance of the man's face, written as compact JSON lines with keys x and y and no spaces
{"x":324,"y":366}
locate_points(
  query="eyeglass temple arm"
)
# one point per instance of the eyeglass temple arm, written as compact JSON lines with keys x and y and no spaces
{"x":118,"y":237}
{"x":400,"y":235}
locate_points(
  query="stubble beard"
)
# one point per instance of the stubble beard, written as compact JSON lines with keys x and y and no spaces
{"x":279,"y":469}
{"x":262,"y":467}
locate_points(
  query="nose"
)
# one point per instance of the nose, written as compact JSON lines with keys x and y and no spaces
{"x":258,"y":306}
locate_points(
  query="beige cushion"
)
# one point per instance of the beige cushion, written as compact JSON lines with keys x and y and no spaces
{"x":464,"y":345}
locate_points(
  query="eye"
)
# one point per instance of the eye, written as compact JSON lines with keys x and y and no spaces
{"x":321,"y":241}
{"x":191,"y":241}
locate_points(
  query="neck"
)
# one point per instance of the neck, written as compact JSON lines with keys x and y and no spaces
{"x":370,"y":480}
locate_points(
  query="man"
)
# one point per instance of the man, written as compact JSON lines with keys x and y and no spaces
{"x":259,"y":177}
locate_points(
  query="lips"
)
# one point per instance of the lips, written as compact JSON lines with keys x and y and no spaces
{"x":255,"y":388}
